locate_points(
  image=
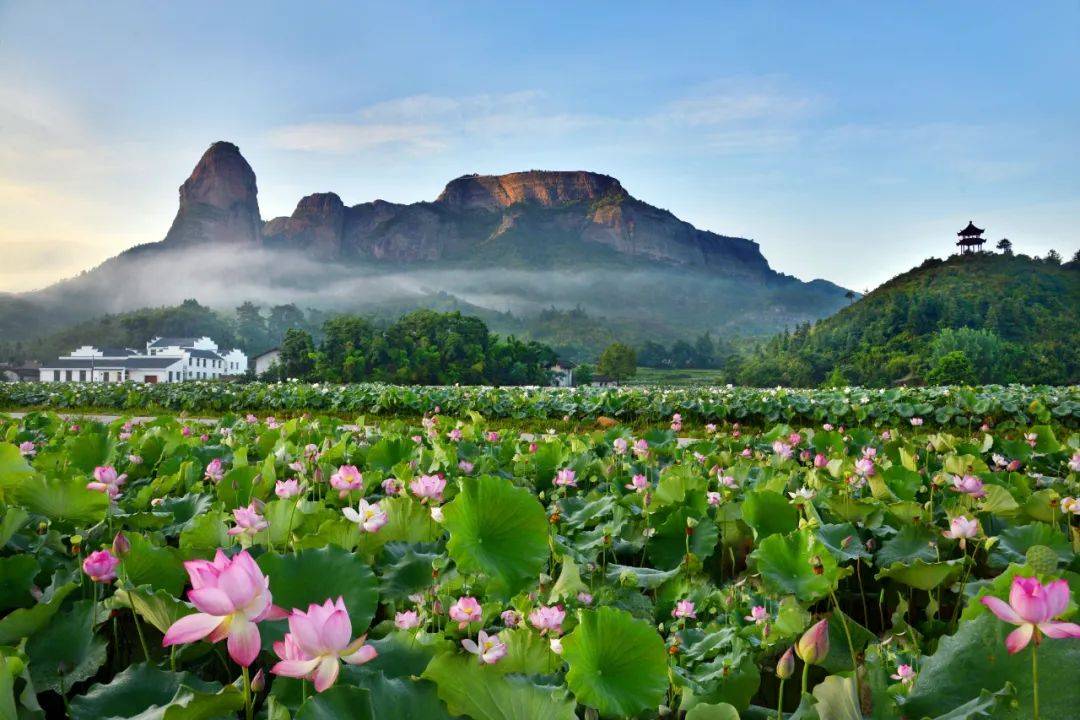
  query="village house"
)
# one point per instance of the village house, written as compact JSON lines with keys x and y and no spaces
{"x":165,"y":359}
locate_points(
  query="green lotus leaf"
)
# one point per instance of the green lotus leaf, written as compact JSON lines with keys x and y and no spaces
{"x":667,"y":549}
{"x":482,"y":693}
{"x":922,"y":575}
{"x":911,"y":543}
{"x":340,"y":701}
{"x":66,"y":651}
{"x":709,"y":711}
{"x":499,"y":530}
{"x":27,"y":621}
{"x":142,"y":691}
{"x":1013,"y":543}
{"x":975,"y":659}
{"x":314,"y":576}
{"x":157,"y":607}
{"x":63,"y":499}
{"x":769,"y":513}
{"x":160,"y":567}
{"x":618,"y":665}
{"x":797,"y":564}
{"x":837,"y":699}
{"x":13,"y":469}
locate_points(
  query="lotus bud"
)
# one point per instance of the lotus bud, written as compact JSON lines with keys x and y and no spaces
{"x":785,"y":668}
{"x":121,"y":546}
{"x":258,"y":682}
{"x":813,"y":646}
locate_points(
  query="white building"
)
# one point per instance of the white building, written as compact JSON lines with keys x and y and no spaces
{"x":165,"y":360}
{"x":266,"y":360}
{"x":562,"y":373}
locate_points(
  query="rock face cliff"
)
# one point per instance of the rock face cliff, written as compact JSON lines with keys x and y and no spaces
{"x":535,"y":218}
{"x":218,"y":203}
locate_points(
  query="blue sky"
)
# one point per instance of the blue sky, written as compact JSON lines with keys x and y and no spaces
{"x":850,"y":139}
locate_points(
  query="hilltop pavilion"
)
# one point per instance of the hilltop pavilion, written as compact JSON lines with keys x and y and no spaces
{"x":971,"y":239}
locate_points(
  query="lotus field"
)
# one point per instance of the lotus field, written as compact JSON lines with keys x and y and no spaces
{"x":938,"y":406}
{"x":305,"y":568}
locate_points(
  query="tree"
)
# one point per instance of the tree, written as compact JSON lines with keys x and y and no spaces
{"x":583,"y":374}
{"x":618,"y":362}
{"x":850,"y":295}
{"x":953,"y":368}
{"x":1005,"y":246}
{"x":297,"y":354}
{"x":1053,"y":257}
{"x":251,"y":327}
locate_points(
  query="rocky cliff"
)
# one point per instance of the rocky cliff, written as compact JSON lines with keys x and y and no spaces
{"x":540,"y":217}
{"x":218,"y":202}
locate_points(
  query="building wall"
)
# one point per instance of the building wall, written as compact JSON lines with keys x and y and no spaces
{"x":263,"y":362}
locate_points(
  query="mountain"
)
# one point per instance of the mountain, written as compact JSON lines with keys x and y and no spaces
{"x":519,"y":243}
{"x":1010,"y":318}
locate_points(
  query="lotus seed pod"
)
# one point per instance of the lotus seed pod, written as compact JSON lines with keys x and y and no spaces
{"x":1042,"y":559}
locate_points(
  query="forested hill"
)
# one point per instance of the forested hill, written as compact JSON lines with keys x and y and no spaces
{"x":982,"y":318}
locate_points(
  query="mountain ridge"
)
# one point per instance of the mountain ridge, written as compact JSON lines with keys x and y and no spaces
{"x":519,"y":242}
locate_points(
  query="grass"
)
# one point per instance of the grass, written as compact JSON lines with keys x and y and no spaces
{"x":674,"y":377}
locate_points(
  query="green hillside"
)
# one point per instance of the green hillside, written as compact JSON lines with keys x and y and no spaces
{"x":982,"y":318}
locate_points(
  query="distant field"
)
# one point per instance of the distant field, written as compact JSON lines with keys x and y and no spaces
{"x":673,"y":377}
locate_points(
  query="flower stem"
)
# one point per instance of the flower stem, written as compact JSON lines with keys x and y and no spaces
{"x":248,"y":709}
{"x":1035,"y":679}
{"x":805,"y":675}
{"x":847,"y":634}
{"x":142,"y":638}
{"x":780,"y":702}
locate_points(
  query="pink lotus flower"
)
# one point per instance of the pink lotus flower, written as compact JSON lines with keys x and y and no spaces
{"x":510,"y":618}
{"x":968,"y":484}
{"x":727,"y":481}
{"x":641,"y":448}
{"x":493,"y":437}
{"x":454,"y":435}
{"x":215,"y":471}
{"x":714,"y":498}
{"x":466,"y":610}
{"x":391,"y":486}
{"x":100,"y":566}
{"x":584,"y":598}
{"x":548,"y":619}
{"x":185,"y":431}
{"x":232,"y":596}
{"x":747,"y":452}
{"x":1070,"y":505}
{"x":429,"y":488}
{"x":905,"y":674}
{"x":346,"y":479}
{"x":684,"y":609}
{"x":960,"y":528}
{"x":864,"y":467}
{"x":1074,"y":461}
{"x":782,"y":449}
{"x":827,"y":427}
{"x":758,"y":614}
{"x":107,"y":481}
{"x":566,"y":478}
{"x":250,"y":419}
{"x":406,"y":620}
{"x":676,"y":422}
{"x":489,"y":648}
{"x":1033,"y":606}
{"x":27,"y":449}
{"x":248,"y":521}
{"x":135,"y":459}
{"x":638,"y":483}
{"x":1032,"y":439}
{"x":204,"y":437}
{"x":287,"y":488}
{"x":317,"y":640}
{"x":794,"y":438}
{"x":437,"y":513}
{"x":620,"y":446}
{"x":820,"y":460}
{"x":916,"y":421}
{"x":710,"y":428}
{"x":368,"y":516}
{"x":869,"y":452}
{"x":311,"y":452}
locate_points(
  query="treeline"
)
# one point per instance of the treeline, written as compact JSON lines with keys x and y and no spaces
{"x":704,"y":353}
{"x":422,"y":348}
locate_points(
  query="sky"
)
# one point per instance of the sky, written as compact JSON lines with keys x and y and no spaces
{"x":850,"y":139}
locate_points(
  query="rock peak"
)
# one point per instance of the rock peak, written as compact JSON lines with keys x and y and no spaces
{"x":547,"y":188}
{"x":219,"y":201}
